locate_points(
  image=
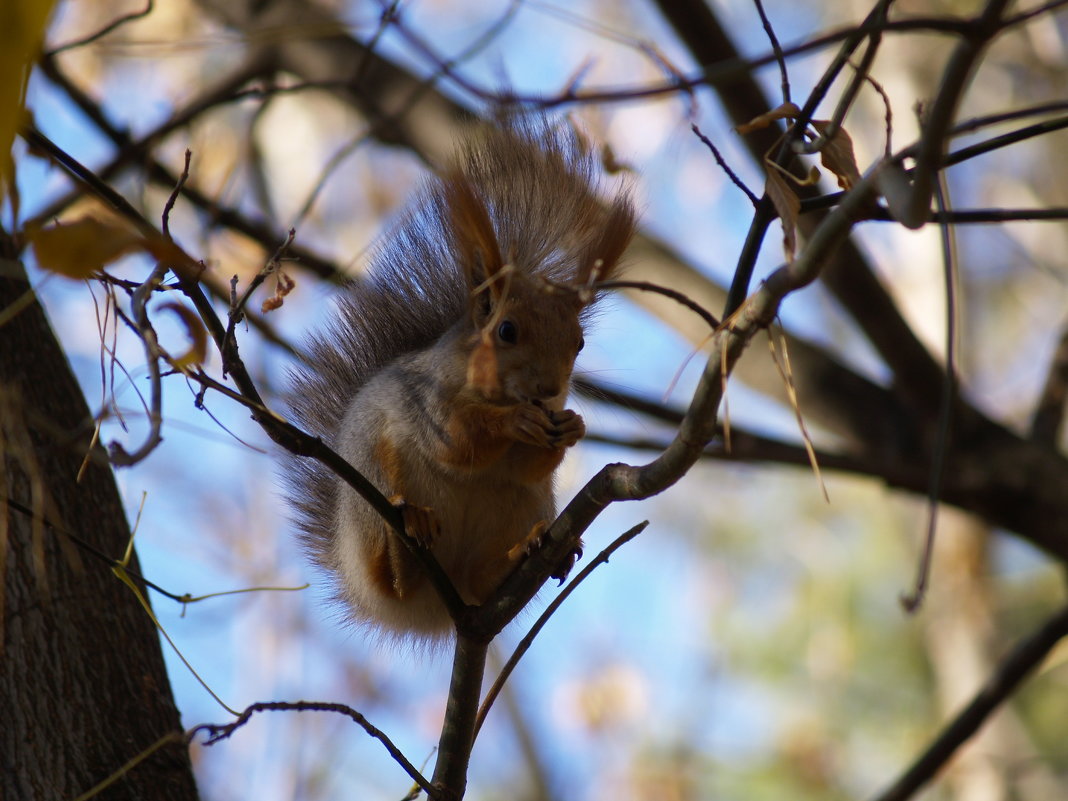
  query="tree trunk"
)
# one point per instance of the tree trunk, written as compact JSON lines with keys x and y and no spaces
{"x":83,"y":687}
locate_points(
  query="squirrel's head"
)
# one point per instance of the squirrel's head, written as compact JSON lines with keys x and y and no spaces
{"x":526,"y":335}
{"x":525,"y":329}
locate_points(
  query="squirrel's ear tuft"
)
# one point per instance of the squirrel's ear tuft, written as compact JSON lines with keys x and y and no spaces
{"x":600,"y":259}
{"x":473,"y":237}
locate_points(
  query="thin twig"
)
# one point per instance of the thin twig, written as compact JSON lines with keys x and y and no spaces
{"x":723,"y":165}
{"x":914,"y":599}
{"x":88,"y":548}
{"x":776,"y":48}
{"x":675,"y":295}
{"x":217,"y":732}
{"x":104,"y":31}
{"x":543,"y":618}
{"x":237,"y":306}
{"x":139,"y":309}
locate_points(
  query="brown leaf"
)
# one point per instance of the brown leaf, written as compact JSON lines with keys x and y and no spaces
{"x":283,"y":287}
{"x":198,"y":335}
{"x":787,"y":111}
{"x":787,"y":204}
{"x":82,"y":247}
{"x":837,"y":155}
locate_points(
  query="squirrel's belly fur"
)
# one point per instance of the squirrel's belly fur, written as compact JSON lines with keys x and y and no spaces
{"x":444,"y":374}
{"x":474,"y":537}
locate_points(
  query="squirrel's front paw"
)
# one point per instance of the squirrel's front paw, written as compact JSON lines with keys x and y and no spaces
{"x":568,"y":428}
{"x":536,"y":425}
{"x":420,"y":522}
{"x":531,"y":424}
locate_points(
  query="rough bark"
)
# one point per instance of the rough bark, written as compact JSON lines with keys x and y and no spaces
{"x":83,"y":687}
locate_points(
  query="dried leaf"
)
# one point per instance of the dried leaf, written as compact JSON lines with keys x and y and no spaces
{"x":837,"y":155}
{"x":787,"y":204}
{"x":198,"y":336}
{"x":787,"y":111}
{"x":82,"y":247}
{"x":282,"y":288}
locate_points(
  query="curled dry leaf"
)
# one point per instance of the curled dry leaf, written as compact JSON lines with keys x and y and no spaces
{"x":787,"y":111}
{"x":80,"y":248}
{"x":283,"y":287}
{"x":198,"y":336}
{"x":787,"y":204}
{"x":837,"y":155}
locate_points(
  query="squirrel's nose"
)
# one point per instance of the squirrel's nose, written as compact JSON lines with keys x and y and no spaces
{"x":548,"y":391}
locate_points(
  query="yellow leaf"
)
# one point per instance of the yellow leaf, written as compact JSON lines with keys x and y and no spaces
{"x":788,"y":111}
{"x":837,"y":155}
{"x":198,"y":336}
{"x":22,"y":27}
{"x":787,"y":204}
{"x":82,"y":247}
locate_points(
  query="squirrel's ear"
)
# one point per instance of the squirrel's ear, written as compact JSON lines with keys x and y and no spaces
{"x":474,"y":240}
{"x":600,"y":258}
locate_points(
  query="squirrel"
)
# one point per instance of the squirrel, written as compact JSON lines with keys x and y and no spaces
{"x":443,"y":375}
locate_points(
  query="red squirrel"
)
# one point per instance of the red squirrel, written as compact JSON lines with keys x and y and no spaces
{"x":444,"y":374}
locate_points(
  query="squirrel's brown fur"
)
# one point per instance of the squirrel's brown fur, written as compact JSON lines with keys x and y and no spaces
{"x":443,"y":376}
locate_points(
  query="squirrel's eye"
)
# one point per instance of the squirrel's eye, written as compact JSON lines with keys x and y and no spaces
{"x":582,"y":342}
{"x":507,"y":332}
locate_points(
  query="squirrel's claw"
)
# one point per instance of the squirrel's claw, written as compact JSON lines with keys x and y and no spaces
{"x":563,"y":570}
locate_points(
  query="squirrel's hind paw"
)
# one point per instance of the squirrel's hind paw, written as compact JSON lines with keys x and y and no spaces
{"x":533,"y":541}
{"x":420,"y":522}
{"x":530,"y":543}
